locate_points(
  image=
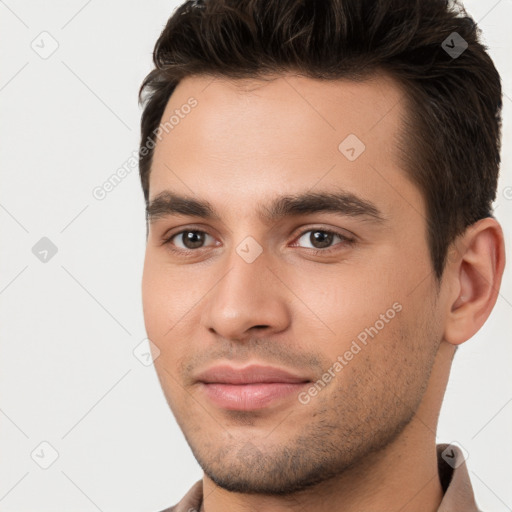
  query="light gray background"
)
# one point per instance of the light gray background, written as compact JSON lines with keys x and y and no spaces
{"x":68,"y":327}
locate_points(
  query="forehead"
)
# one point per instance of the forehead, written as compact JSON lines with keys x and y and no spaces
{"x":250,"y":138}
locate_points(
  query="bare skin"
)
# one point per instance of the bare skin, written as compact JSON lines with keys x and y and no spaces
{"x":366,"y":441}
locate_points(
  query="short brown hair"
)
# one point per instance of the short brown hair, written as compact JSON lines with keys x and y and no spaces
{"x":452,"y":135}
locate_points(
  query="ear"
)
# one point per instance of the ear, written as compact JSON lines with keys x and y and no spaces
{"x":475,"y":267}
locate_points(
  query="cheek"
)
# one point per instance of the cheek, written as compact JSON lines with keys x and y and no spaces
{"x":348,"y":299}
{"x":159,"y":297}
{"x":162,"y":287}
{"x":368,"y":314}
{"x":170,"y":297}
{"x":161,"y":319}
{"x":151,"y":294}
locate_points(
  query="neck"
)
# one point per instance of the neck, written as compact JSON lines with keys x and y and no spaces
{"x":403,"y":476}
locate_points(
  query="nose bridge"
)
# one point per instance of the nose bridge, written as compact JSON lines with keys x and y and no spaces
{"x":247,"y":295}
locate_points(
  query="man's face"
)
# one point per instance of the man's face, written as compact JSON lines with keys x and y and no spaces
{"x":240,"y":289}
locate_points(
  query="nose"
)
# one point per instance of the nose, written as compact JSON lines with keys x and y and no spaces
{"x":248,"y":298}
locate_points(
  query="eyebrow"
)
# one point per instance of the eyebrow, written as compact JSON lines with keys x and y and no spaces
{"x":168,"y":203}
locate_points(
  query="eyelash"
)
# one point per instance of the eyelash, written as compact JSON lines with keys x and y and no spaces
{"x":347,"y":241}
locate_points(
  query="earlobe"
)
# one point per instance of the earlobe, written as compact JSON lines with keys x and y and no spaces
{"x":478,"y":273}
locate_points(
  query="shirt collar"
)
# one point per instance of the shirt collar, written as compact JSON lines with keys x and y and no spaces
{"x":454,"y":477}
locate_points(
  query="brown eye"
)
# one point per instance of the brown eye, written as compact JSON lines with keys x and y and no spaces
{"x":190,"y":239}
{"x":322,"y":239}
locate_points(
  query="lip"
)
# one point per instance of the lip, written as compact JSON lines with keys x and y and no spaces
{"x":248,"y":388}
{"x":252,"y":374}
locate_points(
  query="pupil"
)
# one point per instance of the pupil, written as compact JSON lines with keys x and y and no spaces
{"x":190,"y":243}
{"x":324,"y":238}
